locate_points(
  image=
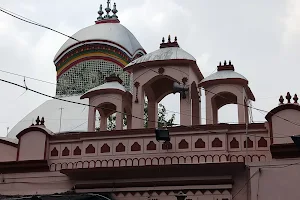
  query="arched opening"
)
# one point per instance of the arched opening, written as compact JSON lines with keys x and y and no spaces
{"x":156,"y":90}
{"x":223,"y":110}
{"x":107,"y":118}
{"x":228,"y":114}
{"x":97,"y":121}
{"x":169,"y":110}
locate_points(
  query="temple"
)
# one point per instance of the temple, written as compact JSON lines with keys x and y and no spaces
{"x":103,"y":71}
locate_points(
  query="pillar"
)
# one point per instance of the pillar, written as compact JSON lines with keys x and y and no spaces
{"x":119,"y":119}
{"x":196,"y":112}
{"x":209,"y":108}
{"x":103,"y":120}
{"x":152,"y":114}
{"x":138,"y":109}
{"x":242,"y":111}
{"x":129,"y":121}
{"x":91,"y":119}
{"x":185,"y":111}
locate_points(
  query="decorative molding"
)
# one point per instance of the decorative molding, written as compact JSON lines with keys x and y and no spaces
{"x":151,"y":146}
{"x":136,"y":147}
{"x":54,"y":152}
{"x":183,"y":144}
{"x":120,"y":147}
{"x":90,"y":149}
{"x":77,"y":151}
{"x":136,"y":85}
{"x":234,"y":144}
{"x":167,"y":145}
{"x":262,"y":142}
{"x":167,"y":160}
{"x":249,"y":143}
{"x":216,"y":142}
{"x":65,"y":152}
{"x":164,"y":193}
{"x":161,"y":70}
{"x":105,"y":148}
{"x":184,"y":80}
{"x":199,"y":143}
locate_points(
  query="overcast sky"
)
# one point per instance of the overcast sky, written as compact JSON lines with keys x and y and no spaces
{"x":261,"y":38}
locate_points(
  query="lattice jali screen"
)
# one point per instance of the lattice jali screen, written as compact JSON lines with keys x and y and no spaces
{"x":87,"y":75}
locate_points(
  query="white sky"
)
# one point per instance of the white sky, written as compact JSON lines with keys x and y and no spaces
{"x":260,"y":37}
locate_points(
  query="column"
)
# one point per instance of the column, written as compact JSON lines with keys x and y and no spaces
{"x":152,"y":114}
{"x":185,"y":111}
{"x":138,"y":109}
{"x":91,"y":119}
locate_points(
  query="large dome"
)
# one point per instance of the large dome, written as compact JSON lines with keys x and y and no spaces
{"x":93,"y":53}
{"x":83,"y":63}
{"x":113,"y":33}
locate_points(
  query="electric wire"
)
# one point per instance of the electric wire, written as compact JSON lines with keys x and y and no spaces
{"x":28,"y":77}
{"x":233,"y":196}
{"x":51,"y":29}
{"x":49,"y":96}
{"x":260,"y":168}
{"x":19,"y":17}
{"x":34,"y":23}
{"x":258,"y":109}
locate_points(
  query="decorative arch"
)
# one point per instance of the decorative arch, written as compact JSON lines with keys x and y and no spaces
{"x":155,"y":84}
{"x":220,"y":95}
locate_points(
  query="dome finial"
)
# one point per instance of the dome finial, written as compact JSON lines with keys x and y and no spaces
{"x":100,"y":12}
{"x":169,"y":38}
{"x":163,"y":40}
{"x":114,"y":10}
{"x":107,"y":9}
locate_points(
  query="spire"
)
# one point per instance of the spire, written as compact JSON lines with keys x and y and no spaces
{"x":169,"y":43}
{"x":114,"y":11}
{"x":107,"y":18}
{"x":100,"y":12}
{"x":225,"y":66}
{"x":107,"y":9}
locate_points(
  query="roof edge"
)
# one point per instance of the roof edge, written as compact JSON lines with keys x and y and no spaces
{"x":281,"y":107}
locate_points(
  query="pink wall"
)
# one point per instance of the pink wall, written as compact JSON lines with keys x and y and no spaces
{"x":62,"y":153}
{"x":276,"y":181}
{"x":32,"y":146}
{"x":34,"y":183}
{"x":282,"y":128}
{"x":8,"y":152}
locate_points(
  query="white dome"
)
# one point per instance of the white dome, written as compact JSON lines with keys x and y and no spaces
{"x":224,"y":74}
{"x":111,"y":32}
{"x":109,"y":85}
{"x":74,"y":116}
{"x":170,"y":53}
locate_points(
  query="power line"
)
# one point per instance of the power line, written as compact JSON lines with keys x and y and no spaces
{"x":245,"y":184}
{"x":65,"y":100}
{"x":43,"y":26}
{"x":19,"y":17}
{"x":258,"y":109}
{"x":49,"y":96}
{"x":28,"y":77}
